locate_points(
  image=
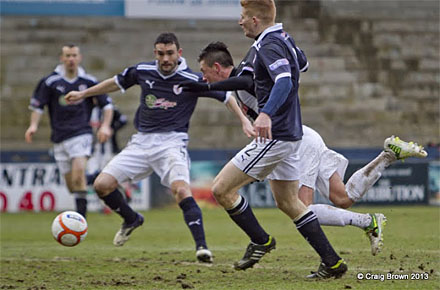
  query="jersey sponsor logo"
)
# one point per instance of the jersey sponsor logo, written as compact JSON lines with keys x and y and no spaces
{"x":150,"y":84}
{"x":177,"y":90}
{"x":153,"y":102}
{"x":62,"y":102}
{"x":278,"y":63}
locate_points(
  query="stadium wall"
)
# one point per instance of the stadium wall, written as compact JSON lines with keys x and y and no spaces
{"x":374,"y":67}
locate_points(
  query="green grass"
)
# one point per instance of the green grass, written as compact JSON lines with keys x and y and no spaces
{"x":160,"y":254}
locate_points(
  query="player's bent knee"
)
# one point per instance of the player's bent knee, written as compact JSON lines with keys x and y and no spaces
{"x":103,"y":187}
{"x":181,"y":192}
{"x":219,"y":193}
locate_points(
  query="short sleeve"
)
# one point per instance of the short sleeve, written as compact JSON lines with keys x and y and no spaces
{"x":40,"y":97}
{"x":127,"y":78}
{"x":275,"y":60}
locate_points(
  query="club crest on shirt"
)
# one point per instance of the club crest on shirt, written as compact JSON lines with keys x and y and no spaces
{"x":177,"y":90}
{"x":153,"y":102}
{"x":82,"y":87}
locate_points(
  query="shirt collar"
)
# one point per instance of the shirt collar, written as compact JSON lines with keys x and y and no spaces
{"x":276,"y":27}
{"x":182,"y":66}
{"x":59,"y":69}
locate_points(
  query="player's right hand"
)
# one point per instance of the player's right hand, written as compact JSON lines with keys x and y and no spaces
{"x":263,"y":127}
{"x":73,"y":96}
{"x":192,"y":86}
{"x":29,"y":133}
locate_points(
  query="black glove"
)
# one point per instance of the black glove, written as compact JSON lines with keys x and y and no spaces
{"x":191,"y":86}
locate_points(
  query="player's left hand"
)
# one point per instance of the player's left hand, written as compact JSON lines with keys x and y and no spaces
{"x":263,"y":127}
{"x":248,"y":128}
{"x":104,"y":133}
{"x":192,"y":86}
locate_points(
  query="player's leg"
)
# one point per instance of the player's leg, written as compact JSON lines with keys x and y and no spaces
{"x":328,"y":215}
{"x":106,"y":186}
{"x":76,"y":179}
{"x":285,"y":193}
{"x":225,"y":190}
{"x":131,"y":164}
{"x":331,"y":186}
{"x":366,"y":177}
{"x":192,"y":215}
{"x":363,"y":179}
{"x":71,"y":156}
{"x":305,"y":194}
{"x":171,"y":164}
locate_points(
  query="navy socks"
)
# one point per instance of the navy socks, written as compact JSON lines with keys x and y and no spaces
{"x":81,"y":202}
{"x":311,"y":230}
{"x":193,"y":218}
{"x":243,"y":216}
{"x":117,"y":202}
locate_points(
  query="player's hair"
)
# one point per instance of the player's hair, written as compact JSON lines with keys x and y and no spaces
{"x":69,"y":45}
{"x":265,"y":10}
{"x":216,"y":52}
{"x":167,"y":38}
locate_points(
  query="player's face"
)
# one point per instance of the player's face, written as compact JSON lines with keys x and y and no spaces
{"x":247,"y":23}
{"x":211,"y":74}
{"x":71,"y":58}
{"x":168,"y":56}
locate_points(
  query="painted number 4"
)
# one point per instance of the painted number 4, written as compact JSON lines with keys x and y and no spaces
{"x":46,"y":202}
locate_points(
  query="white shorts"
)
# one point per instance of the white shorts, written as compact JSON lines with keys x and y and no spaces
{"x":318,"y":163}
{"x":65,"y":151}
{"x":275,"y":159}
{"x":331,"y":162}
{"x":163,"y":153}
{"x":318,"y":167}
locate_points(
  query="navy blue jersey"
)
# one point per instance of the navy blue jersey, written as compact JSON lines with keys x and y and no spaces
{"x":246,"y":98}
{"x":277,"y":57}
{"x":164,"y":107}
{"x":66,"y":121}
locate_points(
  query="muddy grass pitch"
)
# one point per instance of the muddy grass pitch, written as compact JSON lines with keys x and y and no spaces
{"x":161,"y":254}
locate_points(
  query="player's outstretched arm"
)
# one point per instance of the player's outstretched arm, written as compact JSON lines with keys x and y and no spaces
{"x":243,"y":82}
{"x":33,"y":127}
{"x":192,"y":86}
{"x":104,"y":87}
{"x":247,"y":127}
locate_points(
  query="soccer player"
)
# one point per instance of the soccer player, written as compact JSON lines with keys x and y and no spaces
{"x":162,"y":121}
{"x":274,"y":151}
{"x":321,"y":167}
{"x":324,"y":170}
{"x":71,"y":131}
